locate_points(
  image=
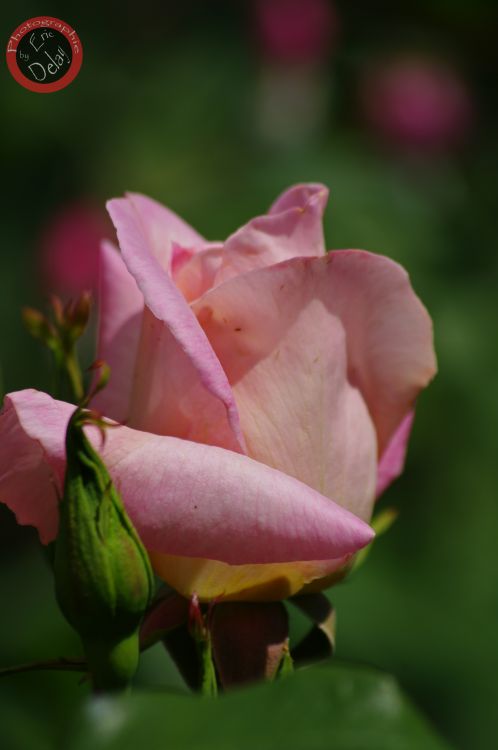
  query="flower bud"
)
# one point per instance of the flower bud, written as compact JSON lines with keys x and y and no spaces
{"x":76,"y":315}
{"x":60,"y":334}
{"x":39,"y":326}
{"x":103,"y":577}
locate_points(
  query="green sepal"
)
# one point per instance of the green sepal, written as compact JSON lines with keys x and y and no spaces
{"x":209,"y":684}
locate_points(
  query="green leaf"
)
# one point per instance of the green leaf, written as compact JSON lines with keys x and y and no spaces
{"x":333,"y":706}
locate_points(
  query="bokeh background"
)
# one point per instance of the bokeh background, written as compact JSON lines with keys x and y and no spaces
{"x":213,"y":108}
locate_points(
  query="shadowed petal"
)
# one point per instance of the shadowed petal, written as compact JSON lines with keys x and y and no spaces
{"x":214,"y":580}
{"x":121,"y":305}
{"x":249,"y":640}
{"x":392,"y":460}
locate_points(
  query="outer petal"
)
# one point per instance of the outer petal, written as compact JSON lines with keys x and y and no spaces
{"x":389,"y":335}
{"x":179,"y":386}
{"x":121,"y":305}
{"x":392,"y":460}
{"x":32,"y":459}
{"x":185,"y":498}
{"x":284,"y":351}
{"x":292,"y":228}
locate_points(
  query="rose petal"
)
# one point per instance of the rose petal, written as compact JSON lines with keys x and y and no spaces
{"x":292,"y":228}
{"x":162,"y":227}
{"x":121,"y":305}
{"x":214,"y":580}
{"x":184,"y":498}
{"x":31,"y":469}
{"x":284,"y":351}
{"x":393,"y":459}
{"x":179,"y":385}
{"x":389,"y":335}
{"x":198,"y":273}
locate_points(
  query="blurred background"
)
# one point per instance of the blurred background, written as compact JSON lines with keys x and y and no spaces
{"x":214,"y":108}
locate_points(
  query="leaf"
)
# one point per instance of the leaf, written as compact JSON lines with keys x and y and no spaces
{"x":333,"y":706}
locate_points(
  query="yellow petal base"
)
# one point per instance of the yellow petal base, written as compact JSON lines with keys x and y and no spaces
{"x":211,"y":579}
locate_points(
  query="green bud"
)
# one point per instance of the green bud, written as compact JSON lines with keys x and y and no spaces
{"x":39,"y":327}
{"x":76,"y":316}
{"x":104,"y":581}
{"x":60,"y":334}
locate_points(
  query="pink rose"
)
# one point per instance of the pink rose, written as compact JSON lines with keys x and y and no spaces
{"x":267,"y":390}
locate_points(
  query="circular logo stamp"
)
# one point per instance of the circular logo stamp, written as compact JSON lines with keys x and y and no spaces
{"x":44,"y":54}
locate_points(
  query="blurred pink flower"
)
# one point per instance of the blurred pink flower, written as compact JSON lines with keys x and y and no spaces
{"x":418,"y":103}
{"x":69,"y":249}
{"x":295,"y":30}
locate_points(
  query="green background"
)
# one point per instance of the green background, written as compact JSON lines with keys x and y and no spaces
{"x":166,"y":104}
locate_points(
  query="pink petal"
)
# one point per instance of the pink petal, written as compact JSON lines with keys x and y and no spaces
{"x":179,"y":256}
{"x":392,"y":460}
{"x":312,"y":196}
{"x":389,"y":335}
{"x":32,"y":470}
{"x":179,"y":385}
{"x":283,"y":348}
{"x":184,"y":498}
{"x":198,"y":272}
{"x":292,"y":228}
{"x":121,"y":305}
{"x":162,"y":227}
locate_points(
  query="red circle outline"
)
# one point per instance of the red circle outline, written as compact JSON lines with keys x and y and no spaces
{"x":67,"y":78}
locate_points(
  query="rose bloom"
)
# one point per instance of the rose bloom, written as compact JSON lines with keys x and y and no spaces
{"x":267,"y":390}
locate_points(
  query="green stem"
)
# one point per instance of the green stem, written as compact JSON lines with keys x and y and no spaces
{"x":73,"y":372}
{"x":64,"y":665}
